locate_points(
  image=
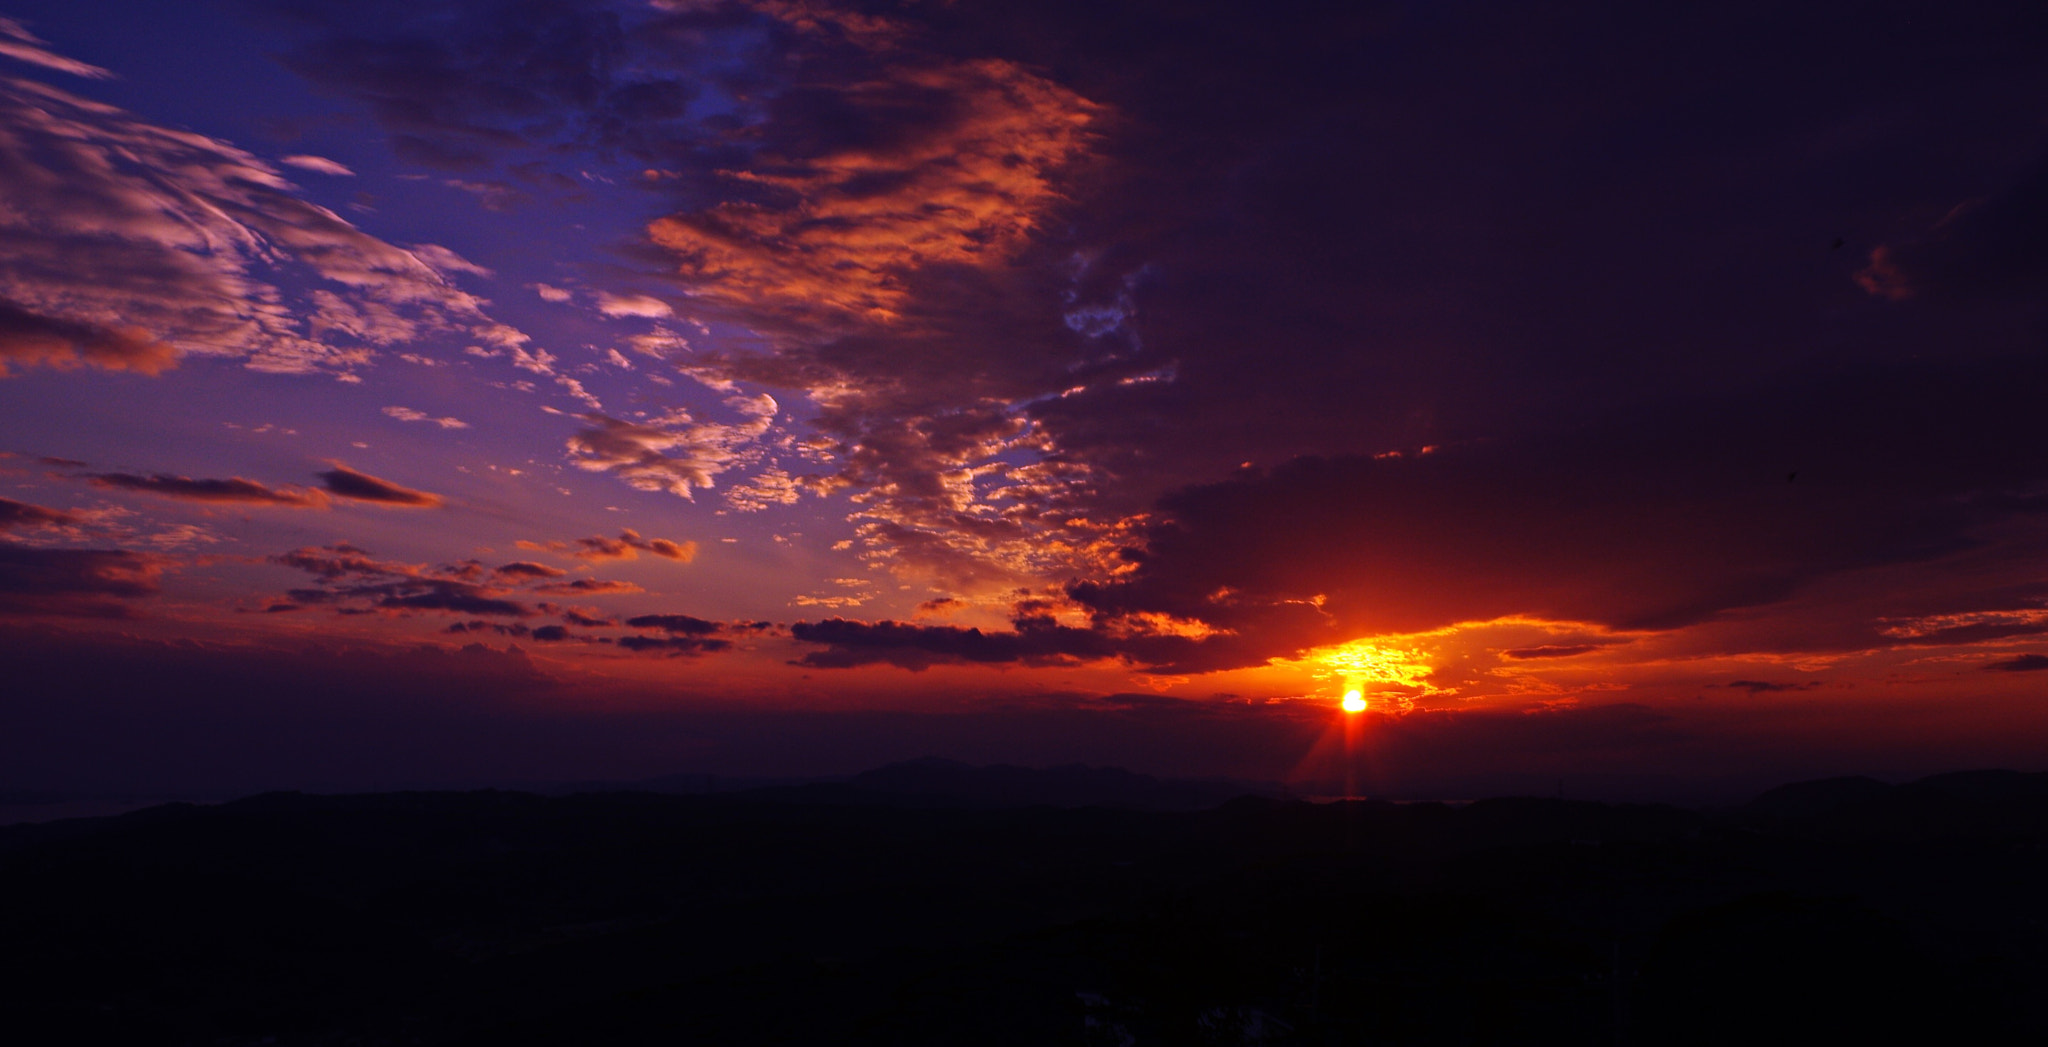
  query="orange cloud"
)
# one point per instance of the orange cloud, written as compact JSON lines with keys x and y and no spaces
{"x":30,"y":337}
{"x":955,"y":168}
{"x":627,"y":546}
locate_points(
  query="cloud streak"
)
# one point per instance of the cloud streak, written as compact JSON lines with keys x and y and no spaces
{"x":345,"y":482}
{"x":18,"y":43}
{"x":318,"y":165}
{"x":15,"y":514}
{"x":234,"y":489}
{"x":2020,"y":663}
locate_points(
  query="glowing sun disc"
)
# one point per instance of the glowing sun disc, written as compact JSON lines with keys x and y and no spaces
{"x":1354,"y":701}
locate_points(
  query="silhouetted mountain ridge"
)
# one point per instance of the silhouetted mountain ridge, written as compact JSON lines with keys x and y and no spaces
{"x":1957,"y":804}
{"x":1813,"y":799}
{"x":934,"y":902}
{"x":937,"y":782}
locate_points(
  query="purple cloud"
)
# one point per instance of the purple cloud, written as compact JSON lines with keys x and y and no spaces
{"x":348,"y":483}
{"x":233,"y":489}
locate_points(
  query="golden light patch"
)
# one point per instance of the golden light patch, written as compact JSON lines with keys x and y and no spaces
{"x":1153,"y":623}
{"x":1369,"y":662}
{"x":1400,"y":674}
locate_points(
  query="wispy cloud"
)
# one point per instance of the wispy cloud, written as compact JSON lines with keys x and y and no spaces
{"x":407,"y":414}
{"x":18,"y":43}
{"x":318,"y":165}
{"x":131,"y":245}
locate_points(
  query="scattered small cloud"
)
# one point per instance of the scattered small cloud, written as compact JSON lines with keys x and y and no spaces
{"x":627,"y":546}
{"x":617,"y":305}
{"x":351,"y":580}
{"x":674,"y":453}
{"x":407,"y":414}
{"x":771,"y":486}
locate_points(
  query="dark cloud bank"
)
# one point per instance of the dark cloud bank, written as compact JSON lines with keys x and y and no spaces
{"x":351,"y":581}
{"x":75,"y":583}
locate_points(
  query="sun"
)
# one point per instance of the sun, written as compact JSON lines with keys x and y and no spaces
{"x":1362,"y":664}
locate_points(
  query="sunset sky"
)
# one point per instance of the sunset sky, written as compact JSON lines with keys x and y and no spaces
{"x":464,"y":391}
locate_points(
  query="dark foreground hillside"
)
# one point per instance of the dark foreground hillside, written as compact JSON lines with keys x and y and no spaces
{"x":1834,"y":912}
